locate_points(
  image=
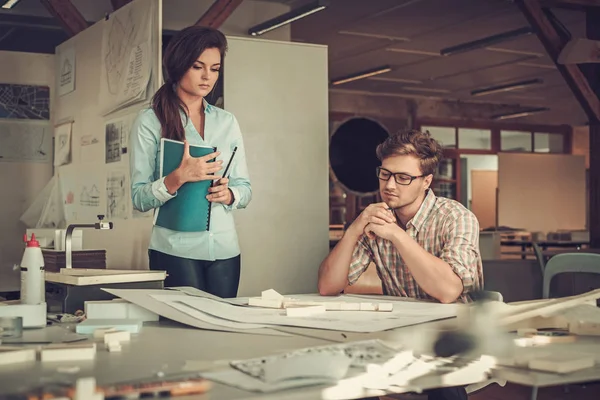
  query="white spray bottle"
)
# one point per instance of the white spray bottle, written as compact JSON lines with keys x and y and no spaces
{"x":33,"y":290}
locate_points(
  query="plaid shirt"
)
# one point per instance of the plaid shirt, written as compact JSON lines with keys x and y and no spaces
{"x":444,"y":228}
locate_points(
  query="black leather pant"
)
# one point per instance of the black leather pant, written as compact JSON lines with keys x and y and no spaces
{"x":219,"y":277}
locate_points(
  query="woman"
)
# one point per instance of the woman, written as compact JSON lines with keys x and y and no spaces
{"x":207,"y":260}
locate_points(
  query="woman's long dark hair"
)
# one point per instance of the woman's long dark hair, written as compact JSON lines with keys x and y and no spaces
{"x":182,"y":51}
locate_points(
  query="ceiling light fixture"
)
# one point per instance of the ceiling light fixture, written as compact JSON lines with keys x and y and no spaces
{"x":288,"y":17}
{"x":486,"y":42}
{"x":362,"y":75}
{"x":9,"y":4}
{"x":506,"y":87}
{"x":517,"y":114}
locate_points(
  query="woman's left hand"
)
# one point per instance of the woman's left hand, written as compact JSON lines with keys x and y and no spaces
{"x":220,"y":193}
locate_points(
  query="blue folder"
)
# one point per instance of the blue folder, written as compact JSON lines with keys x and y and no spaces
{"x":189,"y":211}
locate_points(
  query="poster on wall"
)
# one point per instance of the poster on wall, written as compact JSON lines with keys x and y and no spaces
{"x":25,"y":141}
{"x":24,"y":101}
{"x":126,"y":59}
{"x":62,"y":144}
{"x":66,"y":76}
{"x":82,"y":192}
{"x":117,"y":137}
{"x":117,"y":194}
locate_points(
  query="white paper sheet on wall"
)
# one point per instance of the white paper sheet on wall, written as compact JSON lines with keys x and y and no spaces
{"x":117,"y":194}
{"x":117,"y":138}
{"x":25,"y":141}
{"x":62,"y":144}
{"x":126,"y":62}
{"x":33,"y":214}
{"x":66,"y":75}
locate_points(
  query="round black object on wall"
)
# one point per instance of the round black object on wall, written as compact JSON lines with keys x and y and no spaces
{"x":352,"y":154}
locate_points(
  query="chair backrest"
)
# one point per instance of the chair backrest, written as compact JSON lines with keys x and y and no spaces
{"x":494,"y":296}
{"x":539,"y":256}
{"x":569,"y":262}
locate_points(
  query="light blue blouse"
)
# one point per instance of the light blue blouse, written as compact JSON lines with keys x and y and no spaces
{"x":148,"y":190}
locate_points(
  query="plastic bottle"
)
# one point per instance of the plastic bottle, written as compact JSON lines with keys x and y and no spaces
{"x":33,"y":290}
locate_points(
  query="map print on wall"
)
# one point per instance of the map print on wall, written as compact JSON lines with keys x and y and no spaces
{"x":23,"y":141}
{"x":24,"y":101}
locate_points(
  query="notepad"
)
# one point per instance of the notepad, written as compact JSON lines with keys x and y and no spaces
{"x":189,"y":211}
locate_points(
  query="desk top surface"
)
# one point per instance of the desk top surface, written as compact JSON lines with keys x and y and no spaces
{"x":167,"y":346}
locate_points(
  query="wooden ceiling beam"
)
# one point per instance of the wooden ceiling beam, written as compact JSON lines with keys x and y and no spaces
{"x":67,"y":15}
{"x":116,"y":4}
{"x":554,"y":43}
{"x":218,"y":13}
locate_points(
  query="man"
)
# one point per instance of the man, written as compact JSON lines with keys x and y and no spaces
{"x":423,"y":246}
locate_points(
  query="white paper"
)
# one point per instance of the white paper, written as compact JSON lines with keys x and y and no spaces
{"x":143,"y":298}
{"x":348,"y":321}
{"x":90,"y":150}
{"x":117,"y":194}
{"x":117,"y":137}
{"x":53,"y":214}
{"x":33,"y":214}
{"x":66,"y":76}
{"x":126,"y":62}
{"x":25,"y":141}
{"x":67,"y":176}
{"x":62,"y":144}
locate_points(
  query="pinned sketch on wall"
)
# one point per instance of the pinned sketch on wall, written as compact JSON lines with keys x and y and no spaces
{"x":90,"y":151}
{"x":66,"y":76}
{"x":90,"y":188}
{"x":68,"y":176}
{"x":24,"y":101}
{"x":82,"y":191}
{"x":25,"y":141}
{"x":126,"y":62}
{"x":117,"y":194}
{"x":62,"y":144}
{"x":117,"y":138}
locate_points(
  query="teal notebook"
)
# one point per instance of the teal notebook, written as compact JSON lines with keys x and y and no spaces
{"x":189,"y":211}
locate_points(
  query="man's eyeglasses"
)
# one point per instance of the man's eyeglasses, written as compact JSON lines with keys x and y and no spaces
{"x":399,"y":177}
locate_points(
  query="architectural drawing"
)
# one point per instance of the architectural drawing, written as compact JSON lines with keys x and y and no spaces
{"x":66,"y":79}
{"x":126,"y":63}
{"x":117,"y":137}
{"x":25,"y":141}
{"x":113,"y":142}
{"x":117,"y":195}
{"x":24,"y":101}
{"x":62,"y":144}
{"x":120,"y":35}
{"x":89,"y":196}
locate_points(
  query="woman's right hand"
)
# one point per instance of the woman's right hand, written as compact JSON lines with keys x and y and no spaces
{"x":193,"y":169}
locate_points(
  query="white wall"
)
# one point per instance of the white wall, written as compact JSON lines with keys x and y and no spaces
{"x":283,"y":112}
{"x":21,"y":181}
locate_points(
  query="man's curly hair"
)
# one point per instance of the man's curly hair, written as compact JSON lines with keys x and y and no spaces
{"x":416,"y":143}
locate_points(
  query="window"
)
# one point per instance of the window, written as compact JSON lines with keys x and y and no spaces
{"x":548,"y":142}
{"x":478,"y":139}
{"x":515,"y":141}
{"x":443,"y":134}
